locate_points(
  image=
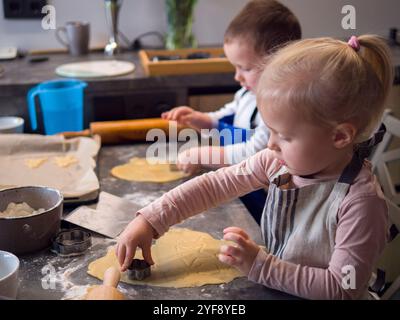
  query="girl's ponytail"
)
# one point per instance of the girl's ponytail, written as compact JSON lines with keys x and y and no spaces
{"x":376,"y":53}
{"x":332,"y":81}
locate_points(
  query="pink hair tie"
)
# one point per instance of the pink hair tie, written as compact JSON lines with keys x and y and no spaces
{"x":353,"y":42}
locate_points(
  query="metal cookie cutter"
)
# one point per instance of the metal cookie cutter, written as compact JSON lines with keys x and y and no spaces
{"x":71,"y":243}
{"x":138,"y":270}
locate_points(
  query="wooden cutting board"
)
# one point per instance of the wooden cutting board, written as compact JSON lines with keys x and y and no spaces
{"x":95,"y":69}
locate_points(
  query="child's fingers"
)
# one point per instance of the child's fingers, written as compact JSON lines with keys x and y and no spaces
{"x":165,"y":115}
{"x":227,"y":259}
{"x":128,"y":257}
{"x":121,"y":255}
{"x":237,"y":238}
{"x":186,"y":119}
{"x":180,"y":166}
{"x":147,"y":255}
{"x":238,"y":231}
{"x":189,"y":168}
{"x":117,"y":249}
{"x":181,"y":114}
{"x":186,"y":168}
{"x":170,"y":114}
{"x":230,"y":251}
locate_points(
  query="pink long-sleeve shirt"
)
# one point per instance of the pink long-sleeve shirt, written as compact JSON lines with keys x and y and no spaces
{"x":360,"y":237}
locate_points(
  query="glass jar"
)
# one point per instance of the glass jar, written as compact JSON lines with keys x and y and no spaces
{"x":180,"y":24}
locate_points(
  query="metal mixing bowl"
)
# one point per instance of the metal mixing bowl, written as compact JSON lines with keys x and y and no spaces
{"x":22,"y":235}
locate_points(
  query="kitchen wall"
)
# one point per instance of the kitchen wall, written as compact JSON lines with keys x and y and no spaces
{"x":323,"y":17}
{"x":318,"y":18}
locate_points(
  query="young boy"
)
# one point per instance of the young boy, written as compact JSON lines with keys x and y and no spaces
{"x":258,"y":30}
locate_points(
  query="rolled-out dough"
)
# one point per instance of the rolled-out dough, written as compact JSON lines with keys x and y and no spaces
{"x":183,"y":258}
{"x":139,"y":169}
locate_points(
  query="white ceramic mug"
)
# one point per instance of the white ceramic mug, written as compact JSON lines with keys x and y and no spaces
{"x":9,"y":266}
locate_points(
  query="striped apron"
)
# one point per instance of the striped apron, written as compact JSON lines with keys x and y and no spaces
{"x":299,"y":224}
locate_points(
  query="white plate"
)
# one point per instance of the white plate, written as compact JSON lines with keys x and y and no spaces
{"x":95,"y":69}
{"x":11,"y":125}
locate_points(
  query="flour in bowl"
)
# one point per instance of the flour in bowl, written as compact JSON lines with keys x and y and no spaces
{"x":15,"y":210}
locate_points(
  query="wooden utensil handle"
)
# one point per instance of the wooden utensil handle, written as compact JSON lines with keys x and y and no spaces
{"x":129,"y":130}
{"x":75,"y":134}
{"x":123,"y":130}
{"x":111,"y":277}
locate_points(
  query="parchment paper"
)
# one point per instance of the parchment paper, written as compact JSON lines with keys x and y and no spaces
{"x":75,"y":181}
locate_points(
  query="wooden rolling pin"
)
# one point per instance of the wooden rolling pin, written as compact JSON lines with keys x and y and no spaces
{"x":107,"y":291}
{"x":122,"y":130}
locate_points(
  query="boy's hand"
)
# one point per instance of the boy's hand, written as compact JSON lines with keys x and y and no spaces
{"x":189,"y":161}
{"x":242,"y":255}
{"x":177,"y":113}
{"x":139,"y":233}
{"x":188,"y":116}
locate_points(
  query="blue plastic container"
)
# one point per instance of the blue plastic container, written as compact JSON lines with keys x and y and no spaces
{"x":61,"y":103}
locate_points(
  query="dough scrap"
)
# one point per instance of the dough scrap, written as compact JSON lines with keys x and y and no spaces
{"x":183,"y":258}
{"x":139,"y":169}
{"x":65,"y":161}
{"x":15,"y":210}
{"x":35,"y":163}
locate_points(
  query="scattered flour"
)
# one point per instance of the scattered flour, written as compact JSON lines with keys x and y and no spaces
{"x":142,"y":198}
{"x":72,"y":291}
{"x":76,"y":293}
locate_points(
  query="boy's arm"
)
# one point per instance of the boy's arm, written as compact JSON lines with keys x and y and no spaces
{"x":192,"y":160}
{"x":227,"y":110}
{"x":207,"y":191}
{"x":214,"y":157}
{"x":237,"y":152}
{"x":360,"y":239}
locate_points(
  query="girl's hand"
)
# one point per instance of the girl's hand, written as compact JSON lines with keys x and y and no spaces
{"x":139,"y":233}
{"x":187,"y":116}
{"x":242,"y":255}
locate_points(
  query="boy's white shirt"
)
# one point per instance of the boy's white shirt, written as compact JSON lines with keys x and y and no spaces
{"x":242,"y":107}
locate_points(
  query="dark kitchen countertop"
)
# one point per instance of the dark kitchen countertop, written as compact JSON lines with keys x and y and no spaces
{"x":66,"y":278}
{"x":20,"y":75}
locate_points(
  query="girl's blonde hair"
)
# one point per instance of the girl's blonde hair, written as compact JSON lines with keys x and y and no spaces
{"x":330,"y":82}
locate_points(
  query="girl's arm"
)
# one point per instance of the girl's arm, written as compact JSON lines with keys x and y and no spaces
{"x":360,"y":239}
{"x":208,"y":191}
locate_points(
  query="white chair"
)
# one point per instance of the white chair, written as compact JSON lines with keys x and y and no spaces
{"x":385,"y":154}
{"x":386,"y":277}
{"x":387,"y":272}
